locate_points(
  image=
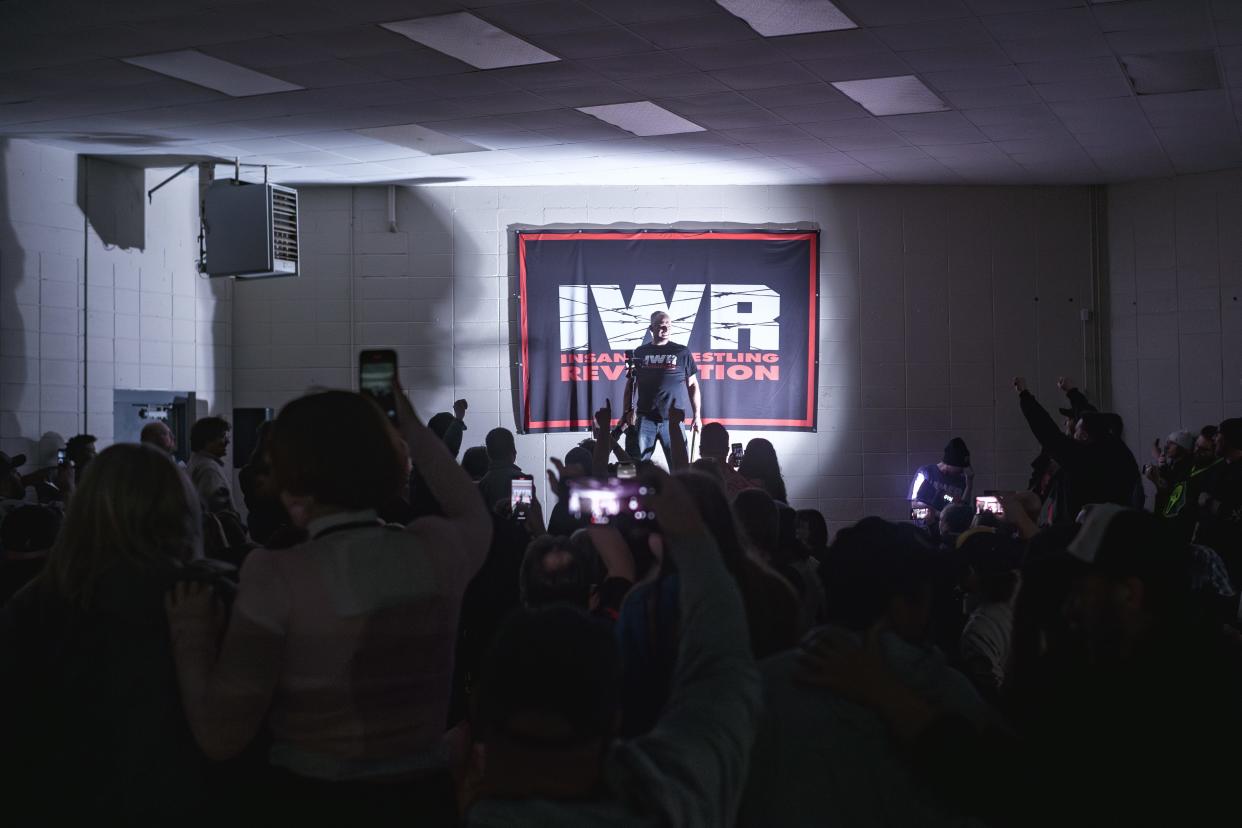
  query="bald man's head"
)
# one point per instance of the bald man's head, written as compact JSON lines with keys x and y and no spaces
{"x":158,"y":434}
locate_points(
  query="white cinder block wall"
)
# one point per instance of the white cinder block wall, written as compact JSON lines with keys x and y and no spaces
{"x":80,"y":317}
{"x":932,"y":299}
{"x":1175,"y":297}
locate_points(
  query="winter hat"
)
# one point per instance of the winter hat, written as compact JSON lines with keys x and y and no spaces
{"x":956,"y":453}
{"x":1182,"y":438}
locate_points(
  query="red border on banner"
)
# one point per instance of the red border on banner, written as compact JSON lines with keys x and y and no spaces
{"x":812,"y":330}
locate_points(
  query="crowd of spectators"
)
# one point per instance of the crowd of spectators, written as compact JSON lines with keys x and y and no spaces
{"x":374,"y":633}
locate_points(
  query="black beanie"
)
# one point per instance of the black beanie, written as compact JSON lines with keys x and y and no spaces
{"x":956,"y":453}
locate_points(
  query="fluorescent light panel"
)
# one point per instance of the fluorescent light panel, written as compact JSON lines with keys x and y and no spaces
{"x":901,"y":95}
{"x":471,"y":39}
{"x":642,"y":118}
{"x":204,"y":70}
{"x":772,"y":18}
{"x":426,"y":141}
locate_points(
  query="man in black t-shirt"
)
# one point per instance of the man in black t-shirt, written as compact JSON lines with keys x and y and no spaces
{"x":664,"y":374}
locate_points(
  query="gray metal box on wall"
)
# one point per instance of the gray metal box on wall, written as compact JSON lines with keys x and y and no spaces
{"x":251,"y":230}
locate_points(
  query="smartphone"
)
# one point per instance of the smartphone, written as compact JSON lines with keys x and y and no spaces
{"x":60,"y":457}
{"x":377,"y":374}
{"x":919,"y":512}
{"x":735,"y":455}
{"x":989,"y":503}
{"x":603,"y":501}
{"x":522,"y":494}
{"x":626,"y":471}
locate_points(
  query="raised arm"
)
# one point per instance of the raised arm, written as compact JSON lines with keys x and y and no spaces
{"x":691,"y":768}
{"x":453,"y":489}
{"x":1054,"y":441}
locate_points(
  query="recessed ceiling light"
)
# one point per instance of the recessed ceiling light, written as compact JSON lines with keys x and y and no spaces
{"x":642,"y":118}
{"x":420,"y":138}
{"x":471,"y":39}
{"x":901,"y":95}
{"x":213,"y":73}
{"x":771,"y":18}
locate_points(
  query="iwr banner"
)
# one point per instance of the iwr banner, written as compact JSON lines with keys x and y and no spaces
{"x":746,"y":304}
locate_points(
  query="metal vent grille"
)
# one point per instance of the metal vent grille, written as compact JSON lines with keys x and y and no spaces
{"x":284,"y":229}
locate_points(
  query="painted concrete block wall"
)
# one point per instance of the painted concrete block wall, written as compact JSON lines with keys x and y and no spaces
{"x":81,"y":315}
{"x":1175,"y":303}
{"x":931,"y":300}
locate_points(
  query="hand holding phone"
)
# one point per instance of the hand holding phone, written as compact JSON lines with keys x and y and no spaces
{"x":521,"y":495}
{"x":735,"y":455}
{"x":603,"y":501}
{"x":377,"y":376}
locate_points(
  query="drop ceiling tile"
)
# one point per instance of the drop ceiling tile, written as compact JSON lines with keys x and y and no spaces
{"x":1055,"y":23}
{"x":1024,"y":114}
{"x":696,"y":31}
{"x":936,"y":34}
{"x":829,"y":44}
{"x":702,"y":104}
{"x":821,"y":112}
{"x":891,"y":155}
{"x":594,"y":43}
{"x":538,"y":76}
{"x":734,"y":55}
{"x":987,"y":78}
{"x":529,"y":19}
{"x":1124,"y":114}
{"x":762,"y":77}
{"x":856,"y":128}
{"x":653,"y":65}
{"x":1170,"y":72}
{"x":265,"y":52}
{"x":1084,"y":89}
{"x":695,"y":83}
{"x":1056,"y":71}
{"x":1188,"y":109}
{"x":592,"y":94}
{"x":324,"y":73}
{"x":463,"y":84}
{"x":766,"y":134}
{"x":956,"y":57}
{"x":642,"y":11}
{"x":737,"y":119}
{"x":1161,"y":39}
{"x":1117,"y":16}
{"x":800,"y":95}
{"x":879,"y":65}
{"x":897,"y":12}
{"x":991,"y":96}
{"x":355,"y":41}
{"x":851,"y":143}
{"x":1032,"y":50}
{"x":414,"y":61}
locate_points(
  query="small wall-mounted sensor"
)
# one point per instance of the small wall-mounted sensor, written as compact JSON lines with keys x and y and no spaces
{"x":1084,"y":314}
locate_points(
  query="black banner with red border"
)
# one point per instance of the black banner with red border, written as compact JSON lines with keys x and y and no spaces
{"x":745,"y":303}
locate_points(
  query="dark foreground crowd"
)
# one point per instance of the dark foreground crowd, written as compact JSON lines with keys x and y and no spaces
{"x":384,"y":640}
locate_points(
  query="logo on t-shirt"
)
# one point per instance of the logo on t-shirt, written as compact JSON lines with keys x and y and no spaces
{"x":668,"y":361}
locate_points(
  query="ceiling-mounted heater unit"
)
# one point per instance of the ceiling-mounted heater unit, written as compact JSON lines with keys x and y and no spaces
{"x":251,"y":230}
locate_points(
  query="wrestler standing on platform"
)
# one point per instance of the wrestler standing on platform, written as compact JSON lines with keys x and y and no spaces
{"x":662,"y":369}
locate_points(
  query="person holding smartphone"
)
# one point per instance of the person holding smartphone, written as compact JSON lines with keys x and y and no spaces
{"x":664,"y":370}
{"x":342,"y":645}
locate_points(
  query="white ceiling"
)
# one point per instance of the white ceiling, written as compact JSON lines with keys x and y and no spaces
{"x":1037,"y":90}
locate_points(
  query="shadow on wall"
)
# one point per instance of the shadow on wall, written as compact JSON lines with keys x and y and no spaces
{"x":113,"y":199}
{"x":18,"y":346}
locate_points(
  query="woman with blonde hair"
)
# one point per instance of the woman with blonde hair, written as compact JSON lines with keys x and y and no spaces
{"x":93,"y":724}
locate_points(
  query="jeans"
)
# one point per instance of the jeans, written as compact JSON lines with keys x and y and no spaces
{"x":651,"y":431}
